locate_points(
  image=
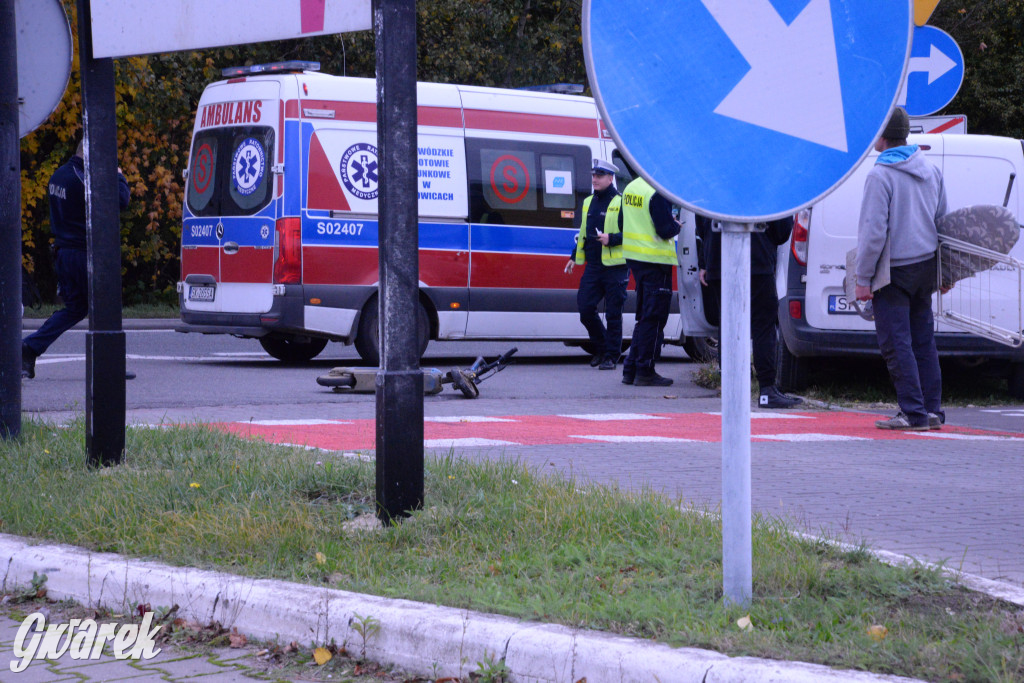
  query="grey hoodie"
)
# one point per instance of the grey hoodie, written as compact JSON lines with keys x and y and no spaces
{"x":904,"y":196}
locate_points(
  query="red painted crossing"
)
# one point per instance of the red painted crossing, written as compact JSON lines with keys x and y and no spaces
{"x":542,"y":430}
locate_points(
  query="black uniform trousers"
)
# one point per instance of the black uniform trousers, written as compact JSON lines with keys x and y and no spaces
{"x":764,"y":323}
{"x":653,"y":300}
{"x":609,"y":283}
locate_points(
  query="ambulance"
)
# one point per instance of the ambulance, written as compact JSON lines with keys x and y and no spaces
{"x":279,"y":233}
{"x":818,"y":322}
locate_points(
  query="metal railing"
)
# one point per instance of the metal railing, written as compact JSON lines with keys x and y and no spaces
{"x":987,"y":295}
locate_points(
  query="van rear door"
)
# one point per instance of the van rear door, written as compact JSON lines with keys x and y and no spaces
{"x":228,"y":231}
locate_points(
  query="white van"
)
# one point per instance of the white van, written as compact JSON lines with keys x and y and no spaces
{"x":279,"y":233}
{"x":815,"y":318}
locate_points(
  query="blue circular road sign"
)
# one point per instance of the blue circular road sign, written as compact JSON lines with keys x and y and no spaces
{"x":746,"y":111}
{"x":936,"y":71}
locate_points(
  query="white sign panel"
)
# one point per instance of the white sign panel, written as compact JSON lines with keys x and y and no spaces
{"x":44,"y":60}
{"x":135,"y":27}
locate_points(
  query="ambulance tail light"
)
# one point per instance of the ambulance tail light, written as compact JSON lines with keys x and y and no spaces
{"x":288,"y":266}
{"x":801,"y":230}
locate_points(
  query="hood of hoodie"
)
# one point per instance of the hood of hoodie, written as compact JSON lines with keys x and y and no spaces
{"x":906,"y":158}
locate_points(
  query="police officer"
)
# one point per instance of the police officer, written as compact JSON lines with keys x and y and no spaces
{"x":647,"y":232}
{"x":67,"y":222}
{"x":599,"y":245}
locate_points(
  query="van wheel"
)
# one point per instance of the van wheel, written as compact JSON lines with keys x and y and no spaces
{"x":368,"y":336}
{"x":701,"y":349}
{"x":1015,"y":380}
{"x":790,"y":371}
{"x":293,"y":349}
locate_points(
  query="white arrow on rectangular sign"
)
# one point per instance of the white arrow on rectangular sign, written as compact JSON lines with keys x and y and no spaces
{"x":138,"y":27}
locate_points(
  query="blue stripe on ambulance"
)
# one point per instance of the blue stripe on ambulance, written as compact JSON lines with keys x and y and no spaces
{"x":246,"y":231}
{"x":319,"y":230}
{"x":521,"y":239}
{"x":294,"y":188}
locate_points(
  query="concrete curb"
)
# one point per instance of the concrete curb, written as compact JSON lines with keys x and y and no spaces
{"x":126,"y":324}
{"x":417,"y":637}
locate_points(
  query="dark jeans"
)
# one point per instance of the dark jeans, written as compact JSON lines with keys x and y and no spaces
{"x":764,"y":323}
{"x":73,"y":281}
{"x":608,"y":283}
{"x":653,"y":299}
{"x":906,"y":336}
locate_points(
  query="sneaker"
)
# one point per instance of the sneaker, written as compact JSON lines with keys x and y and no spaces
{"x":595,"y":361}
{"x":652,"y":380}
{"x":128,"y":374}
{"x":607,"y":364}
{"x":901,"y":422}
{"x":28,"y":363}
{"x":771,"y":397}
{"x":935,"y":421}
{"x":628,"y":379}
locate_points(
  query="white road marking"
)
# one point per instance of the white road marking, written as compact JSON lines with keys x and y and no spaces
{"x":466,"y":418}
{"x":808,"y":437}
{"x":466,"y":443}
{"x":623,"y":438}
{"x":967,"y":437}
{"x":300,"y":423}
{"x":604,"y":417}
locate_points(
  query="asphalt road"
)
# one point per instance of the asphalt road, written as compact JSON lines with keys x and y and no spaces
{"x":955,"y":496}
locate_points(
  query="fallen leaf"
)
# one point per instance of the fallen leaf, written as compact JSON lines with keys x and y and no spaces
{"x":582,"y":680}
{"x":322,"y":655}
{"x":321,"y":558}
{"x":291,"y":647}
{"x":745,"y":624}
{"x":877,"y":632}
{"x":494,"y":569}
{"x":236,"y":639}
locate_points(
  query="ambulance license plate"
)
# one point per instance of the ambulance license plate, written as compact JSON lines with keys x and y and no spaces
{"x":837,"y":303}
{"x":201,"y":293}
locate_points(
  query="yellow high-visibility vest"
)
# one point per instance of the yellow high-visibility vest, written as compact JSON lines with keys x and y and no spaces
{"x":640,"y":241}
{"x":610,"y":256}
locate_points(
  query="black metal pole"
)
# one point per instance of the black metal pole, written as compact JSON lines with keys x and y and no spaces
{"x":10,"y":228}
{"x":105,"y":341}
{"x":400,"y":380}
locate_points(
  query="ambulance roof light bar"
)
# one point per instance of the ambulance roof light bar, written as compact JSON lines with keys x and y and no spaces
{"x":274,"y":68}
{"x":560,"y":88}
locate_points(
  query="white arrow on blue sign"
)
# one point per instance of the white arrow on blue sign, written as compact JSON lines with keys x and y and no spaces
{"x":935,"y":74}
{"x":746,"y":111}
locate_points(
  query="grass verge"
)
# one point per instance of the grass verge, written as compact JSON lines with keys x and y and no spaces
{"x":498,"y":537}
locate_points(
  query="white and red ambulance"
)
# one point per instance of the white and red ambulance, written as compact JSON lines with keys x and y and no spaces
{"x":279,"y":237}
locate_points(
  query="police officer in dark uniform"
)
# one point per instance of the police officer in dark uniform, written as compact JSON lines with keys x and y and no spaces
{"x":599,"y":245}
{"x":647,"y":243}
{"x":66,"y":191}
{"x":764,"y":302}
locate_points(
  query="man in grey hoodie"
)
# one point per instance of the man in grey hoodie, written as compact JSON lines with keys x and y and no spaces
{"x":903,"y":197}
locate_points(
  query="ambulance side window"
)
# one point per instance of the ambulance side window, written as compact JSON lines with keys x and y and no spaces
{"x":518,"y":182}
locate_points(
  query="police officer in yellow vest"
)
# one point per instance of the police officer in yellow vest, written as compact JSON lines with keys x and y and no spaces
{"x":648,"y":229}
{"x":599,"y":245}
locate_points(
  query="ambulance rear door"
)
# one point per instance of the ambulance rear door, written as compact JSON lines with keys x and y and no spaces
{"x":228,"y":231}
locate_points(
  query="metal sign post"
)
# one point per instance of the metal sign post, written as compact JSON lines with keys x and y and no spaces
{"x":760,"y":112}
{"x":10,"y":229}
{"x":105,"y":340}
{"x":399,"y":464}
{"x":737,"y":561}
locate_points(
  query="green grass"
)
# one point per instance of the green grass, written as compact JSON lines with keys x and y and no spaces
{"x":155,"y":310}
{"x":498,"y":537}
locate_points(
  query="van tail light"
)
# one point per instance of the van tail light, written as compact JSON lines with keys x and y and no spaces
{"x":288,"y":266}
{"x":801,"y":230}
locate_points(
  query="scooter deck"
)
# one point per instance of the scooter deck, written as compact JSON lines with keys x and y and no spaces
{"x":364,"y":380}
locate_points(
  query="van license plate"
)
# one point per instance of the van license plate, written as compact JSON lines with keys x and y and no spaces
{"x":837,"y":303}
{"x":201,"y":293}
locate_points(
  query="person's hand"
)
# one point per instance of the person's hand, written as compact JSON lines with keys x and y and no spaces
{"x":603,"y":238}
{"x":863,"y":293}
{"x":945,"y":288}
{"x":569,"y":266}
{"x":703,"y":277}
